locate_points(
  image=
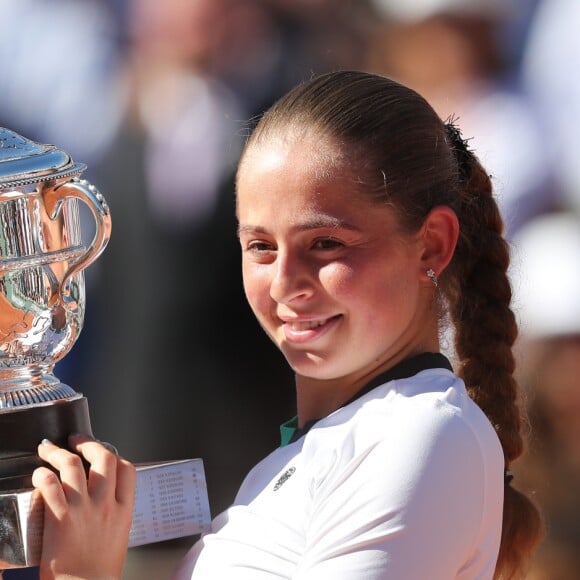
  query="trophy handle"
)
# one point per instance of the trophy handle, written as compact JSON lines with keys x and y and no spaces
{"x":90,"y":195}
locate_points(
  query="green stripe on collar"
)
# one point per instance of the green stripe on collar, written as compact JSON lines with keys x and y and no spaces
{"x":287,"y":431}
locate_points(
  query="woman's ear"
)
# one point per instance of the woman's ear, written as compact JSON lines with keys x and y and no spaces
{"x":439,"y":233}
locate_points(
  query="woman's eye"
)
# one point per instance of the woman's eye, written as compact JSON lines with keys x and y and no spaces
{"x":327,"y":244}
{"x":259,"y":246}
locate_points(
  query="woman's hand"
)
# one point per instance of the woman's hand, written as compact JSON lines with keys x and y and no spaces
{"x":86,"y":521}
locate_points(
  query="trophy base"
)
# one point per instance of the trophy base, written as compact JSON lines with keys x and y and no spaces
{"x":16,"y":539}
{"x":22,"y":429}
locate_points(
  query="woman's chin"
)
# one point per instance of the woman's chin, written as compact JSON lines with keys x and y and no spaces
{"x":314,"y":367}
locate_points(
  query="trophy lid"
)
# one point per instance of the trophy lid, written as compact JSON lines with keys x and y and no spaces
{"x":24,"y":162}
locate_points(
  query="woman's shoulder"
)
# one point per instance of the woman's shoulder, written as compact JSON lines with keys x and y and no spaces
{"x":437,"y":395}
{"x":430,"y":412}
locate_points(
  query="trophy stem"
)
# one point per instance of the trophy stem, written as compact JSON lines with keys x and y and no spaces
{"x":31,"y":385}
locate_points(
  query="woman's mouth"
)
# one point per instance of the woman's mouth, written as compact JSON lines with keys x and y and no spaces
{"x":300,"y":331}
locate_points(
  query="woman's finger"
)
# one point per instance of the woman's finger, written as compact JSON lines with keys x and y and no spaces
{"x":47,"y":482}
{"x":70,"y":467}
{"x":102,"y":479}
{"x":126,"y":476}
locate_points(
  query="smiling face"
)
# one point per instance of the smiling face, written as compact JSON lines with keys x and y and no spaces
{"x":330,"y":275}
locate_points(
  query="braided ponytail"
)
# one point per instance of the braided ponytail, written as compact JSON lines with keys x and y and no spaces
{"x":479,"y":295}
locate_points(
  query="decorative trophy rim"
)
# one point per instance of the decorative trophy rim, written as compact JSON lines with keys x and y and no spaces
{"x":34,"y":396}
{"x":25,"y":162}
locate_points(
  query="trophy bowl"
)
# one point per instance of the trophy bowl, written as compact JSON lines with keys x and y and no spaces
{"x":42,"y":297}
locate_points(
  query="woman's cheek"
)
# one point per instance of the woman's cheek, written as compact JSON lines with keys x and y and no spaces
{"x":257,"y":289}
{"x":338,"y":280}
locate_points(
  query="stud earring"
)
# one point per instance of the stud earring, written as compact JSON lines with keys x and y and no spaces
{"x":432,"y":276}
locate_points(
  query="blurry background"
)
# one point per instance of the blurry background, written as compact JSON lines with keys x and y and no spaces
{"x":156,"y":97}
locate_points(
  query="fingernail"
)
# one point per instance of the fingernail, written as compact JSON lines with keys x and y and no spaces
{"x":46,"y":442}
{"x":108,"y":446}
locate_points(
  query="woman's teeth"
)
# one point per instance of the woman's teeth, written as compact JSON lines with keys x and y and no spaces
{"x":306,"y":324}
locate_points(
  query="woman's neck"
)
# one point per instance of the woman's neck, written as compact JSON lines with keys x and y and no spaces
{"x":317,"y":398}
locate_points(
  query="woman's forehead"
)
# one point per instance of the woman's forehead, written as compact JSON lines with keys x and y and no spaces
{"x":318,"y":157}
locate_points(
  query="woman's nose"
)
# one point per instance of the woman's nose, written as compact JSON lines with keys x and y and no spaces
{"x":292,"y":278}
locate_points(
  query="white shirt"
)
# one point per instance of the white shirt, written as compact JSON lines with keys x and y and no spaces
{"x":404,"y":483}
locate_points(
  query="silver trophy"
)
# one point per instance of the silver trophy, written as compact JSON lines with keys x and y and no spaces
{"x":42,"y":305}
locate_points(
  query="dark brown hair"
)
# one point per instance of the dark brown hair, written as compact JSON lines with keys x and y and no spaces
{"x":409,"y":158}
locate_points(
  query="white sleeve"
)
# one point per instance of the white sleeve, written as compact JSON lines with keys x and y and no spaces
{"x":409,"y":507}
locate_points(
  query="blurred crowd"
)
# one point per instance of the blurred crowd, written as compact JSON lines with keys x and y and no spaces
{"x":157,"y":97}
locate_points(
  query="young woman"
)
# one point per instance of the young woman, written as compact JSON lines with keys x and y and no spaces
{"x":366,"y":224}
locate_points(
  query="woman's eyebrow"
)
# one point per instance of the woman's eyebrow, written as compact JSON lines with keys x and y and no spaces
{"x":326,"y":221}
{"x":243,"y":229}
{"x":314,"y":223}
